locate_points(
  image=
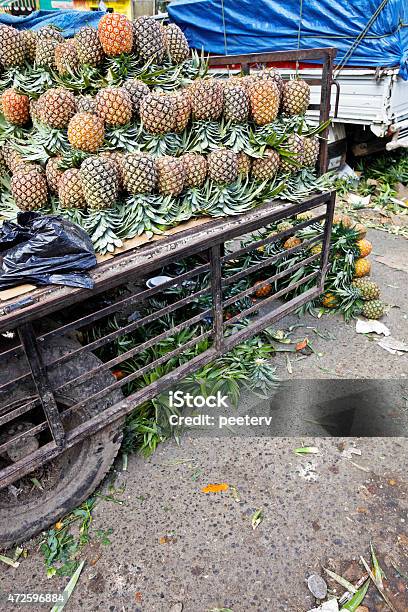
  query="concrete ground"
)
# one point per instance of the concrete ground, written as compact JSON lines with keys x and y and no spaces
{"x":174,"y":547}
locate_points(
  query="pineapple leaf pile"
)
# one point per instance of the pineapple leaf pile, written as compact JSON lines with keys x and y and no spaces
{"x":122,"y":130}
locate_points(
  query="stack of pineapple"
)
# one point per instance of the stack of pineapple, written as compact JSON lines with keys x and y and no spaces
{"x":122,"y":130}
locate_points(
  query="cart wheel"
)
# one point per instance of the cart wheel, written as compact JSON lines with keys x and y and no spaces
{"x":39,"y":499}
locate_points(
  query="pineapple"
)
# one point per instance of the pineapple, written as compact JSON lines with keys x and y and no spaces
{"x":292,"y":242}
{"x":223,"y":166}
{"x":295,"y":97}
{"x":304,"y":216}
{"x":11,"y":157}
{"x":368,"y":289}
{"x":158,"y":113}
{"x":244,"y":164}
{"x":316,"y":249}
{"x":364,"y":246}
{"x":99,"y":181}
{"x":137,"y":90}
{"x":207,"y":99}
{"x":70,"y":190}
{"x":15,"y":107}
{"x":47,"y":40}
{"x":66,"y":57}
{"x":89,"y":48}
{"x":362,"y":267}
{"x":86,"y":132}
{"x":139,"y":173}
{"x":262,"y":291}
{"x":373,"y":309}
{"x":267,"y":166}
{"x":182,"y":107}
{"x":29,"y":188}
{"x":86,"y":104}
{"x":236,"y":103}
{"x":343,"y":220}
{"x":294,"y":145}
{"x":116,"y":157}
{"x":265,"y":101}
{"x":170,"y":175}
{"x":311,"y":147}
{"x":271,"y":74}
{"x":195,"y":168}
{"x":30,"y":44}
{"x":361,"y":230}
{"x":175,"y":43}
{"x":12,"y":48}
{"x":114,"y":106}
{"x":53,"y":173}
{"x":329,"y":300}
{"x":283,"y":226}
{"x":115,"y":34}
{"x":148,"y":39}
{"x":55,"y":107}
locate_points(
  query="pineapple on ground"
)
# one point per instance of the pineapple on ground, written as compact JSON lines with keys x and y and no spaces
{"x":294,"y":145}
{"x":175,"y":43}
{"x":361,"y":230}
{"x":265,"y":101}
{"x":137,"y":90}
{"x":149,"y":42}
{"x":373,"y":309}
{"x":369,"y":290}
{"x":329,"y":300}
{"x":53,"y":173}
{"x":223,"y":166}
{"x":48,"y":38}
{"x":29,"y":188}
{"x":195,"y":169}
{"x":86,"y":132}
{"x":265,"y":168}
{"x":66,"y":57}
{"x":236,"y":103}
{"x":362,"y":267}
{"x":170,"y":175}
{"x":295,"y":97}
{"x":139,"y":173}
{"x":343,"y":220}
{"x":15,"y":107}
{"x":99,"y":182}
{"x":114,"y":106}
{"x":30,"y":44}
{"x":70,"y":190}
{"x":207,"y":99}
{"x":158,"y":113}
{"x":55,"y":107}
{"x":89,"y":48}
{"x":12,"y":48}
{"x":364,"y":246}
{"x":116,"y":34}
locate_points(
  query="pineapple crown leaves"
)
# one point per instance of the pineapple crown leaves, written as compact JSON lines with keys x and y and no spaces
{"x":72,"y":159}
{"x":86,"y":80}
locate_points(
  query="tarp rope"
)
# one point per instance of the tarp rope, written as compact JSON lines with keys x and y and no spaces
{"x":299,"y":33}
{"x":224,"y":27}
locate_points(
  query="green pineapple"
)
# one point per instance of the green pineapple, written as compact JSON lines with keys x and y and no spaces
{"x":373,"y":309}
{"x":367,"y":288}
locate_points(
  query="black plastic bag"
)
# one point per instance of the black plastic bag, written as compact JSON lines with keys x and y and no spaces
{"x":45,"y":250}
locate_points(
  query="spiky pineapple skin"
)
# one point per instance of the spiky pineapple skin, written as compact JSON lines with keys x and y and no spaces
{"x":271,"y":74}
{"x":29,"y":189}
{"x":86,"y":132}
{"x":265,"y":168}
{"x":373,"y":309}
{"x":12,"y":48}
{"x":158,"y":113}
{"x":295,"y":97}
{"x":148,"y":39}
{"x":265,"y":100}
{"x":362,"y":267}
{"x":244,"y":164}
{"x":369,"y":290}
{"x":292,"y":242}
{"x":236,"y":103}
{"x":139,"y":173}
{"x":195,"y":169}
{"x":15,"y":107}
{"x":311,"y":148}
{"x":170,"y":175}
{"x":114,"y":106}
{"x":99,"y":182}
{"x":294,"y":144}
{"x":182,"y":107}
{"x":329,"y":300}
{"x":89,"y":48}
{"x":66,"y":57}
{"x":115,"y":34}
{"x":175,"y":43}
{"x":85,"y":104}
{"x":223,"y":166}
{"x":47,"y":40}
{"x":55,"y":107}
{"x":364,"y":246}
{"x":137,"y":90}
{"x":262,"y":291}
{"x":207,"y":99}
{"x":53,"y":173}
{"x":70,"y":191}
{"x":29,"y":38}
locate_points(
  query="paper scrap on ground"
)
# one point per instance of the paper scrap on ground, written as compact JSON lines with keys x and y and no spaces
{"x":327,"y":606}
{"x":393,"y":346}
{"x":370,"y":326}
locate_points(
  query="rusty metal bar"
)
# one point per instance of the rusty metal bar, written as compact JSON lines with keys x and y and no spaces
{"x":216,"y":282}
{"x":326,"y":240}
{"x":273,"y":56}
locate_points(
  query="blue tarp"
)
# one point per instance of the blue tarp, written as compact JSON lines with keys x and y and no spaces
{"x":69,"y":21}
{"x":272,"y":25}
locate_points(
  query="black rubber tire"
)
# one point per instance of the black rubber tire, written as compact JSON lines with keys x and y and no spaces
{"x":77,"y":472}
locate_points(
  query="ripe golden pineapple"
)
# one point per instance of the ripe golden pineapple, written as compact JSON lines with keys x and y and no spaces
{"x":367,"y":288}
{"x":89,"y":48}
{"x":158,"y":113}
{"x":66,"y":57}
{"x":182,"y":107}
{"x":267,"y":166}
{"x":223,"y":166}
{"x":343,"y":220}
{"x":139,"y":173}
{"x":294,"y":145}
{"x":236,"y":103}
{"x":99,"y":181}
{"x":47,"y":39}
{"x":86,"y":132}
{"x":207,"y":99}
{"x":70,"y":190}
{"x":53,"y":173}
{"x":364,"y":246}
{"x":114,"y":106}
{"x":244,"y":164}
{"x":265,"y":101}
{"x":116,"y":34}
{"x":15,"y":107}
{"x":170,"y":175}
{"x":30,"y":43}
{"x":329,"y":300}
{"x":262,"y":291}
{"x":271,"y":74}
{"x":292,"y":242}
{"x":311,"y":146}
{"x":85,"y":104}
{"x":295,"y":97}
{"x":29,"y":188}
{"x":12,"y":49}
{"x":362,"y":267}
{"x":148,"y":40}
{"x":137,"y":90}
{"x":55,"y":107}
{"x":175,"y":43}
{"x":195,"y":168}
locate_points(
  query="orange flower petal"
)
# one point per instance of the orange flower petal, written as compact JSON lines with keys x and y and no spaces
{"x":215,"y":488}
